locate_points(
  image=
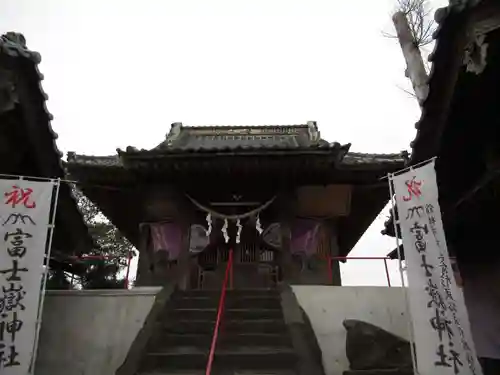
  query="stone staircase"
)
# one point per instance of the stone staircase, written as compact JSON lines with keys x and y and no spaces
{"x":253,"y":337}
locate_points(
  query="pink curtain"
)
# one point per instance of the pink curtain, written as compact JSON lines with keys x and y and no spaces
{"x":167,"y":237}
{"x":304,"y":236}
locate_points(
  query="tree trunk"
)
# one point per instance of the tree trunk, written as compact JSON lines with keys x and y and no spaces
{"x":415,"y":69}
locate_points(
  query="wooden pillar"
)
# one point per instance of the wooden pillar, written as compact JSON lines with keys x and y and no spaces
{"x":184,"y":264}
{"x":334,"y":252}
{"x":184,"y":219}
{"x":144,"y":267}
{"x":164,"y":203}
{"x":337,"y":277}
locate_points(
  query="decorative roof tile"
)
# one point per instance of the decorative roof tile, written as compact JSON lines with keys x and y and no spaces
{"x":207,"y":139}
{"x":440,"y":66}
{"x":441,"y":16}
{"x":240,"y":138}
{"x":14,"y":46}
{"x":350,"y":159}
{"x":97,"y":161}
{"x":356,"y":158}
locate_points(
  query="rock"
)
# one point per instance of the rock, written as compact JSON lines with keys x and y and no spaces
{"x":369,"y":347}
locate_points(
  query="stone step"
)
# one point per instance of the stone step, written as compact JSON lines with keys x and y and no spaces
{"x":380,"y":372}
{"x":262,"y":302}
{"x":225,"y":340}
{"x":228,"y":325}
{"x":226,"y":372}
{"x":237,"y":358}
{"x":230,"y":293}
{"x":229,"y":313}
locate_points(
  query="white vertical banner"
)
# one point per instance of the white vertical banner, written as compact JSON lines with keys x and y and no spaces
{"x":24,"y":223}
{"x":441,"y":328}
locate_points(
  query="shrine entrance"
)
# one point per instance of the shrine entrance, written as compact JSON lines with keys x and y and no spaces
{"x":254,"y":267}
{"x":233,"y":221}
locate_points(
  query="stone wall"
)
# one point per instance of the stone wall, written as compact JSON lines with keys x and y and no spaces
{"x":90,"y":332}
{"x":328,"y":306}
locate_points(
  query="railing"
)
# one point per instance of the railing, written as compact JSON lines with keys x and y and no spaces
{"x":213,"y":262}
{"x":227,"y":278}
{"x":332,"y":259}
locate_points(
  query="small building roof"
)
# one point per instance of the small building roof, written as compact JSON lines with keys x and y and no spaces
{"x":203,"y":140}
{"x":28,"y":142}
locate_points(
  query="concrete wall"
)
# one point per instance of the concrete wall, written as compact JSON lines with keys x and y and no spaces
{"x":328,"y":306}
{"x":90,"y":332}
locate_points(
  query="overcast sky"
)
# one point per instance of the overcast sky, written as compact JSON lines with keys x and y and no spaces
{"x":119,"y":72}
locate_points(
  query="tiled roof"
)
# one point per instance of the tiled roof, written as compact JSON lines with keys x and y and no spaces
{"x":462,"y":4}
{"x":229,"y":142}
{"x":97,"y":161}
{"x":440,"y":58}
{"x":441,"y":16}
{"x":188,"y":139}
{"x":208,"y":139}
{"x":13,"y":45}
{"x":350,"y":159}
{"x":355,"y":158}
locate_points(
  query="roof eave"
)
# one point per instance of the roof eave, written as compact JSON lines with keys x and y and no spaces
{"x":132,"y":153}
{"x":13,"y":46}
{"x":446,"y":61}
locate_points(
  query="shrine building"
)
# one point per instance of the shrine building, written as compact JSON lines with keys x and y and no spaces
{"x":288,"y":202}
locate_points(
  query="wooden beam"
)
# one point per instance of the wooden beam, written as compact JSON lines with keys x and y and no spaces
{"x":483,"y":181}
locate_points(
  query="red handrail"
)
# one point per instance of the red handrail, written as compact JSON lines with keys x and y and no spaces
{"x":219,"y":313}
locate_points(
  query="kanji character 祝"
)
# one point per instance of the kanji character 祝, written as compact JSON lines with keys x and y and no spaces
{"x":19,"y":196}
{"x":413,"y":188}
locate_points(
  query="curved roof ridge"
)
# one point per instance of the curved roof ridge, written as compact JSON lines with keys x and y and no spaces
{"x":441,"y":16}
{"x":13,"y":45}
{"x":92,"y":160}
{"x":262,"y":126}
{"x":401,"y":154}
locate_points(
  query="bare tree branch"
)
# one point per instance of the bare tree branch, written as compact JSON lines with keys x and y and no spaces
{"x":419,"y":18}
{"x":410,"y":94}
{"x":415,"y":68}
{"x":414,"y":28}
